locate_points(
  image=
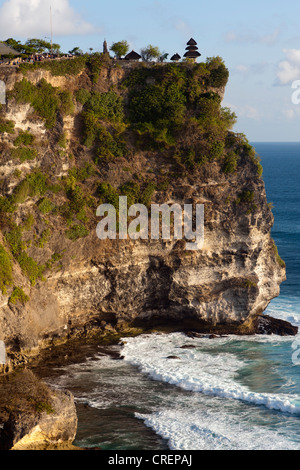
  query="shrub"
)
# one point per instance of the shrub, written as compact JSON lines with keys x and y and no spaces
{"x":6,"y":126}
{"x":156,"y":103}
{"x":228,"y":117}
{"x":24,"y":138}
{"x":66,"y":104}
{"x":54,"y":259}
{"x":107,"y":106}
{"x":109,"y":194}
{"x":14,"y":240}
{"x":90,"y":127}
{"x":80,"y":174}
{"x":30,"y":267}
{"x":77,"y":231}
{"x":219,"y":74}
{"x":216,"y":150}
{"x":24,"y":91}
{"x":44,"y":407}
{"x":28,"y":222}
{"x":147,"y":194}
{"x":277,"y":256}
{"x":45,"y":99}
{"x":6,"y":275}
{"x":132,"y":190}
{"x":35,"y":184}
{"x":44,"y":238}
{"x":61,"y":67}
{"x":136,"y":77}
{"x":24,"y":153}
{"x":62,"y":141}
{"x":230,"y":163}
{"x":209,"y":106}
{"x":45,"y":206}
{"x":246,"y":197}
{"x":109,"y":146}
{"x":21,"y":192}
{"x":94,"y":64}
{"x":18,"y":295}
{"x":260,"y":169}
{"x":6,"y":205}
{"x":78,"y":201}
{"x":46,"y":103}
{"x":85,"y":172}
{"x":82,"y":96}
{"x":257,"y":162}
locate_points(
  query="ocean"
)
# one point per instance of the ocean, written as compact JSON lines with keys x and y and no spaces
{"x":231,"y":393}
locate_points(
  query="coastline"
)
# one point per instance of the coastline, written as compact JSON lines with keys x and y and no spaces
{"x":92,"y":334}
{"x":51,"y":361}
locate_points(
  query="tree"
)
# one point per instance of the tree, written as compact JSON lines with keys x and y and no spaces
{"x":76,"y":51}
{"x":19,"y":47}
{"x":150,"y":53}
{"x":16,"y":45}
{"x":120,"y":48}
{"x":38,"y":45}
{"x":33,"y":46}
{"x":56,"y":48}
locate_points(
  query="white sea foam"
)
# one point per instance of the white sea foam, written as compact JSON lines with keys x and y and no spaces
{"x":285,"y":309}
{"x":208,"y":430}
{"x":198,"y":371}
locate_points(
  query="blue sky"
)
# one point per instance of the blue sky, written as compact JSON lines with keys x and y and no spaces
{"x":259,"y":42}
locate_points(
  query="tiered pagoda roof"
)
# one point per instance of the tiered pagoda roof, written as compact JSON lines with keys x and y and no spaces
{"x":192,"y":50}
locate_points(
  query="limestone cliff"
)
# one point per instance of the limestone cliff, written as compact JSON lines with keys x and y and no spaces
{"x":72,"y":139}
{"x":34,"y":417}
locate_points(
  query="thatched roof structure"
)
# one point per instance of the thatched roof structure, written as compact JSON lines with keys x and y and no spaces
{"x":192,"y":54}
{"x":133,"y":56}
{"x":7,"y":50}
{"x":192,"y":50}
{"x":192,"y":42}
{"x":175,"y":57}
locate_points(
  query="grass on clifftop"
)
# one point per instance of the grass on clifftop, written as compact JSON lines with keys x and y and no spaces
{"x":60,"y":68}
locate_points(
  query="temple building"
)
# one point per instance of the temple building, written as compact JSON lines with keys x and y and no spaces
{"x":105,"y":47}
{"x":133,"y":56}
{"x":192,"y":50}
{"x":175,"y":58}
{"x":6,"y":50}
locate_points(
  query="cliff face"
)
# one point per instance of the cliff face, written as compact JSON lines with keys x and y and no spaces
{"x":103,"y":140}
{"x":35,"y":417}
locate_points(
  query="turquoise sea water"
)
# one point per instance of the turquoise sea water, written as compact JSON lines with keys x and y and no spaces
{"x":227,"y":393}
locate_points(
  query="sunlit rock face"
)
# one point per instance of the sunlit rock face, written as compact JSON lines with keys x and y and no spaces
{"x":88,"y":283}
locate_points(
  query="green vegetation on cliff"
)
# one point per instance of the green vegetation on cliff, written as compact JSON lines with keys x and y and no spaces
{"x":45,"y":99}
{"x":171,"y":113}
{"x":18,"y":295}
{"x":6,"y":276}
{"x":57,"y":67}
